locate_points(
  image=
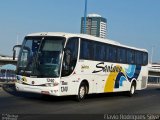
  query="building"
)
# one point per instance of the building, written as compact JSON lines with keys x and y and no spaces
{"x":7,"y":68}
{"x":6,"y":59}
{"x":95,"y":25}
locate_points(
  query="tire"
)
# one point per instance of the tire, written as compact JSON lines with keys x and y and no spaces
{"x":132,"y":90}
{"x":81,"y":92}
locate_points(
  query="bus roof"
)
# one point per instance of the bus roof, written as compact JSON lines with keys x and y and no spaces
{"x":68,"y":35}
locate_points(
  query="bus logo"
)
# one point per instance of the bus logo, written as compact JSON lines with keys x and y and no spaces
{"x":107,"y":68}
{"x":84,"y":67}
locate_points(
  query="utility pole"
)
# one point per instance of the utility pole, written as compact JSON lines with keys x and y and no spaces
{"x":17,"y":43}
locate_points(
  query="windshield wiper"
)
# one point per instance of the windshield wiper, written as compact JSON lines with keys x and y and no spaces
{"x":36,"y":61}
{"x":27,"y":66}
{"x":33,"y":60}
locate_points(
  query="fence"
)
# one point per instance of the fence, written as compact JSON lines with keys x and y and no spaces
{"x":154,"y":80}
{"x":7,"y":77}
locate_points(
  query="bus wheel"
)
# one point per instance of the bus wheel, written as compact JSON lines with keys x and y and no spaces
{"x":132,"y":89}
{"x":82,"y":92}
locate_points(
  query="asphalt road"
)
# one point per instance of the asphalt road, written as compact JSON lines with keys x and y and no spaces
{"x":144,"y":102}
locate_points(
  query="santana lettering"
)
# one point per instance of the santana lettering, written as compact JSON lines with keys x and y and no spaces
{"x":107,"y":68}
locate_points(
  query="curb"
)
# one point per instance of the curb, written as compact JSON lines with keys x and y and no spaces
{"x":6,"y":83}
{"x":153,"y":84}
{"x":1,"y":85}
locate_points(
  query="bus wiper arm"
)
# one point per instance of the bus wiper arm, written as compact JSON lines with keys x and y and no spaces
{"x":27,"y":66}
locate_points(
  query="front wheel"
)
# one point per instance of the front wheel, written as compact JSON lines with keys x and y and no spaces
{"x":132,"y":90}
{"x":82,"y":92}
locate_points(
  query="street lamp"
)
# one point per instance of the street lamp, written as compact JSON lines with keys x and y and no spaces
{"x":152,"y":53}
{"x":17,"y":43}
{"x":85,"y":16}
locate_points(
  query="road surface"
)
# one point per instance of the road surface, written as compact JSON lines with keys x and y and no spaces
{"x":16,"y":103}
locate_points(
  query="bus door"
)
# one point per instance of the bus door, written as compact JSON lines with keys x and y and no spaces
{"x":68,"y":73}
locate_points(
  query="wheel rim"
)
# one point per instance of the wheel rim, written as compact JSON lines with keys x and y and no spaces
{"x":132,"y":89}
{"x":82,"y":92}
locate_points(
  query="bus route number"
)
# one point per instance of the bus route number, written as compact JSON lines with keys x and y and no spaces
{"x":64,"y":89}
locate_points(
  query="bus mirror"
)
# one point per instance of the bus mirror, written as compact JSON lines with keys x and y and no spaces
{"x":14,"y":50}
{"x":14,"y":54}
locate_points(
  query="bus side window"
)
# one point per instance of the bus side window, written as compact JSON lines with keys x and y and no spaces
{"x":112,"y":53}
{"x":121,"y":55}
{"x":145,"y":58}
{"x":106,"y":52}
{"x":99,"y":52}
{"x":139,"y":58}
{"x":130,"y":57}
{"x":87,"y":50}
{"x":70,"y":56}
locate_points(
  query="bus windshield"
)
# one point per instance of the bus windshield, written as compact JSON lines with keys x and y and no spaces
{"x":41,"y":56}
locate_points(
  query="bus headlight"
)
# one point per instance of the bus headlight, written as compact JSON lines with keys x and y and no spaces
{"x":49,"y":84}
{"x":55,"y":83}
{"x":18,"y":77}
{"x":19,"y":81}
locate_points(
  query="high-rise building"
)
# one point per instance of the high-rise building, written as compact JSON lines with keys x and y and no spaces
{"x":95,"y":25}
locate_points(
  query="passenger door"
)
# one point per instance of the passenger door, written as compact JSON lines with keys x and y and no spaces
{"x":68,"y":66}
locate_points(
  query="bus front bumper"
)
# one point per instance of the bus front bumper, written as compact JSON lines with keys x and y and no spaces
{"x":38,"y":89}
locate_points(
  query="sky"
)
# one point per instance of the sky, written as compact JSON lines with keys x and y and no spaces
{"x":130,"y":22}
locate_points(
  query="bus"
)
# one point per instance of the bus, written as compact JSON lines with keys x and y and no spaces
{"x":62,"y":64}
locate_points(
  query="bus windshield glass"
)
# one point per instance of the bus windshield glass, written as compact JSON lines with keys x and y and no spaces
{"x":41,"y":56}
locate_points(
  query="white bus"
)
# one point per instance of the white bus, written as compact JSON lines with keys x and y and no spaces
{"x":61,"y":64}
